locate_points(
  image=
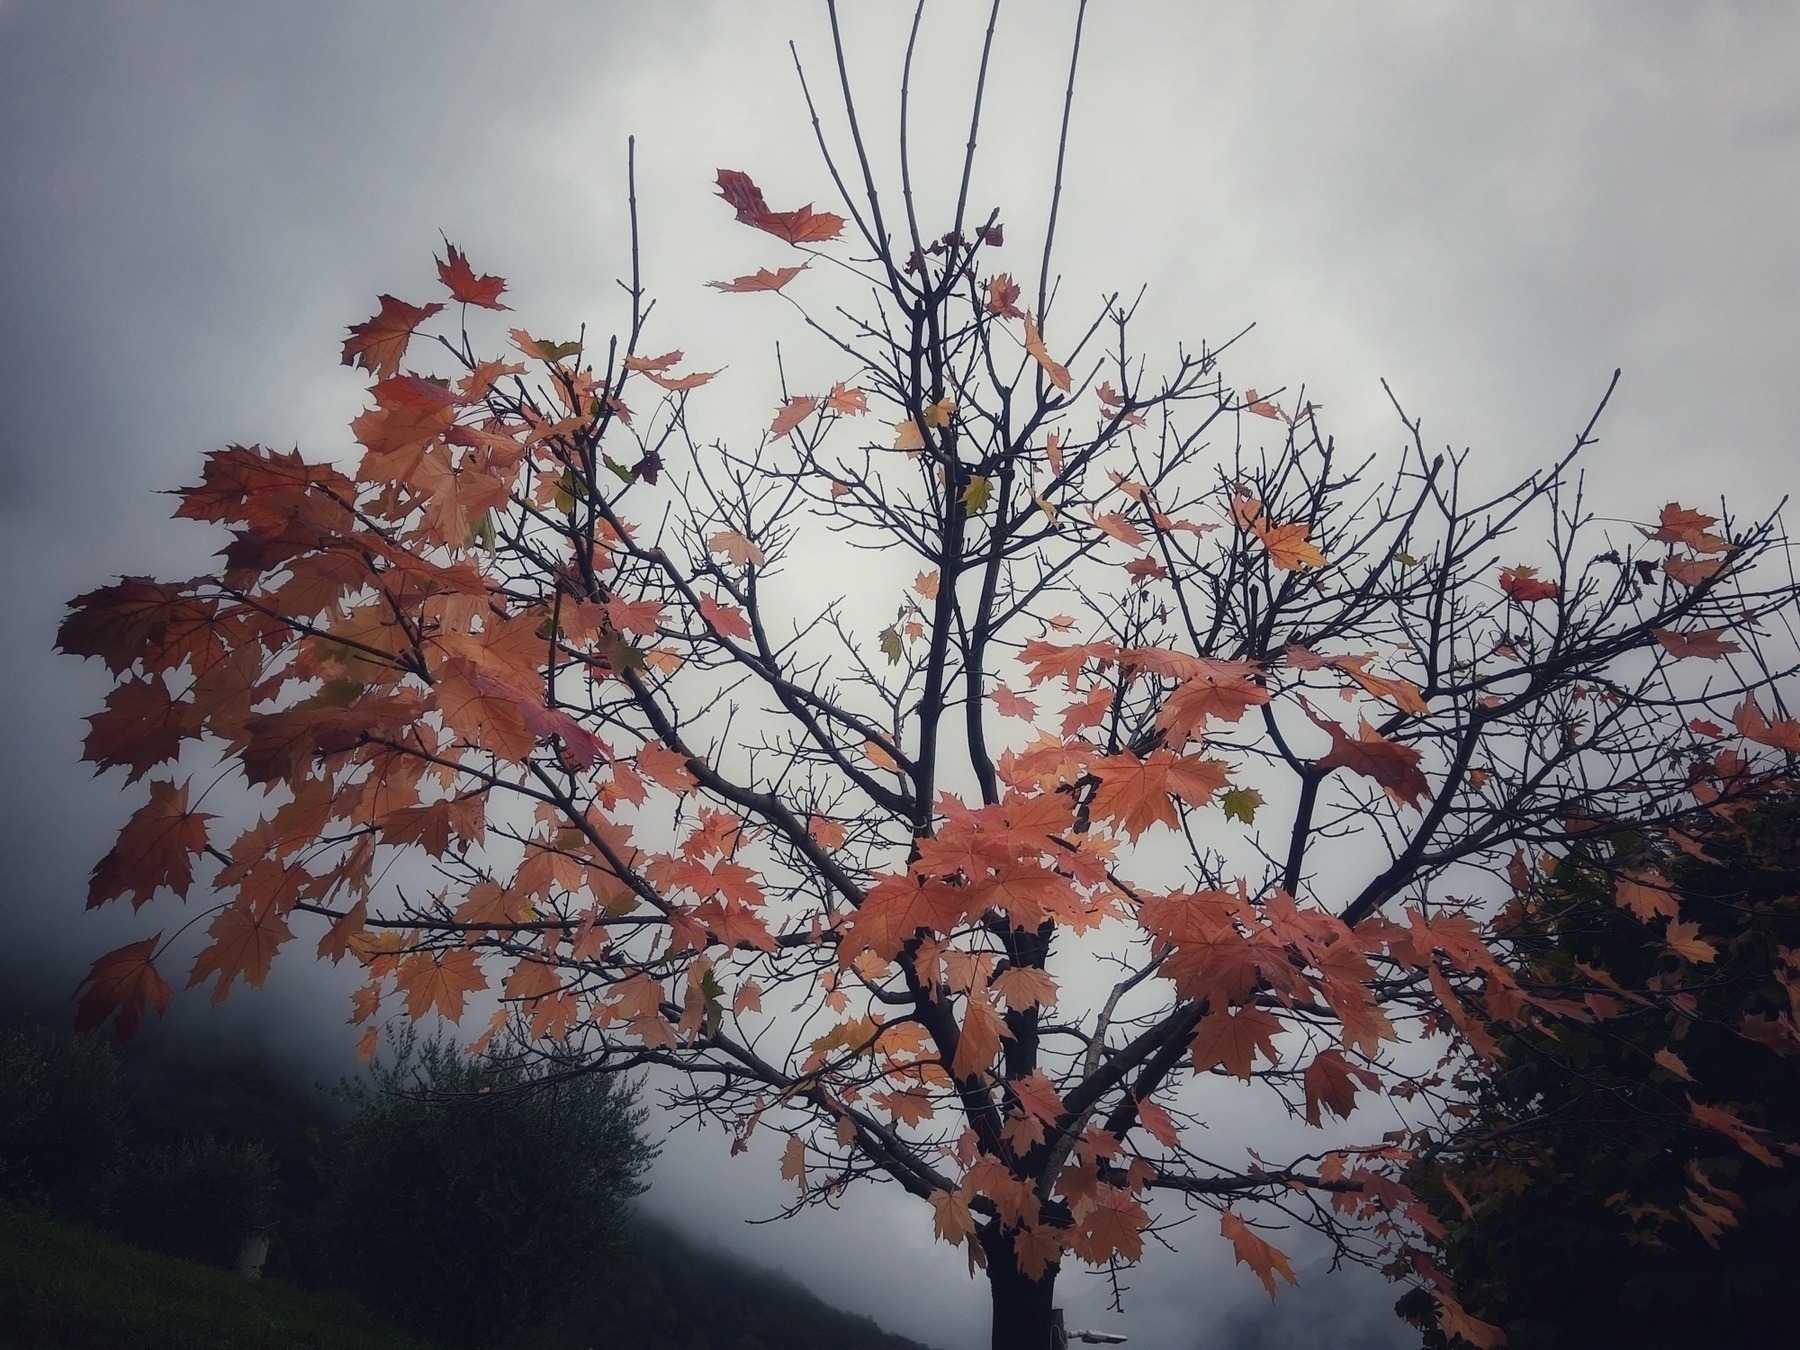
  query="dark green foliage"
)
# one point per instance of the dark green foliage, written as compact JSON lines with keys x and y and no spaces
{"x":198,"y":1199}
{"x":62,"y":1119}
{"x":1604,"y":1212}
{"x":68,"y":1288}
{"x":471,"y":1195}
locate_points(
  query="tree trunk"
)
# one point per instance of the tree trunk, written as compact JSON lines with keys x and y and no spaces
{"x":1022,"y":1307}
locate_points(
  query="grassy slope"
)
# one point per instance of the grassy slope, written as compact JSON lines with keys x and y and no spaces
{"x":65,"y":1288}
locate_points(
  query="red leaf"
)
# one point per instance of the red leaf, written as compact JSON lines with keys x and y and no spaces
{"x":762,"y":280}
{"x":1522,"y":585}
{"x":155,"y":848}
{"x":122,"y":981}
{"x":1267,"y":1261}
{"x":803,"y":226}
{"x":1394,"y":766}
{"x":377,"y":344}
{"x":244,"y":943}
{"x":792,"y":414}
{"x":1706,"y":642}
{"x":464,"y":286}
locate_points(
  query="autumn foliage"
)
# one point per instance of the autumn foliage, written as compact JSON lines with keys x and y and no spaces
{"x":1152,"y":754}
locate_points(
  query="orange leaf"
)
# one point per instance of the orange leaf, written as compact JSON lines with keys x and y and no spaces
{"x":792,"y":414}
{"x":849,"y":402}
{"x":1641,"y":893}
{"x":1671,"y":1061}
{"x":1003,"y":297}
{"x":1684,"y":940}
{"x":1037,"y":1096}
{"x":1265,"y":1260}
{"x":244,"y":943}
{"x":665,"y":766}
{"x":439,"y":981}
{"x":803,"y":226}
{"x":725,"y":620}
{"x":1025,"y":987}
{"x":982,"y":1031}
{"x":1780,"y":733}
{"x":378,"y":344}
{"x":1726,"y":1122}
{"x":1158,"y":1123}
{"x":793,"y":1163}
{"x":1260,"y":406}
{"x":1234,"y":1039}
{"x":1289,"y":549}
{"x":1034,"y":343}
{"x":762,"y":280}
{"x":154,"y":849}
{"x":1330,"y":1081}
{"x":951,"y":1217}
{"x":736,"y":547}
{"x":465,"y":286}
{"x":122,"y":981}
{"x":1109,"y":1223}
{"x":1679,"y":525}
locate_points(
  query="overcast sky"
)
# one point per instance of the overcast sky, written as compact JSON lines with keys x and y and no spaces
{"x":1489,"y":206}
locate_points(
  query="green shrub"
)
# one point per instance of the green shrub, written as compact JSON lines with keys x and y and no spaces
{"x":62,"y":1119}
{"x":472,"y":1194}
{"x":199,"y":1199}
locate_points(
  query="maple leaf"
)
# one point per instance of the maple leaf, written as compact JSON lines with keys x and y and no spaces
{"x":1458,"y":1323}
{"x":1037,"y":1249}
{"x":1011,"y":704}
{"x":1109,"y":1224}
{"x":982,"y":1031}
{"x":1330,"y":1081}
{"x":378,"y":344}
{"x":1241,"y":804}
{"x":732,"y":545}
{"x":1727,"y":1123}
{"x":1289,"y":549}
{"x":792,"y":414}
{"x":666,"y":767}
{"x":725,"y":620}
{"x":1025,"y":987}
{"x":1003,"y":296}
{"x":826,"y":832}
{"x":951,"y":1217}
{"x":1260,"y":406}
{"x":128,"y":622}
{"x":155,"y":849}
{"x":1233,"y":1039}
{"x":1522,"y":585}
{"x":1037,"y":1096}
{"x":803,"y":226}
{"x":847,"y":401}
{"x":244,"y":943}
{"x":1137,"y":793}
{"x":1265,"y":1260}
{"x":1684,"y":940}
{"x":1668,"y":1059}
{"x":1120,"y":528}
{"x":439,"y":980}
{"x":1693,"y":572}
{"x":1708,"y":642}
{"x":1034,"y":344}
{"x":1158,"y":1122}
{"x":1646,"y":895}
{"x":1679,"y":525}
{"x":1779,"y":733}
{"x":122,"y":981}
{"x":1394,"y":766}
{"x":760,"y":280}
{"x":464,"y":286}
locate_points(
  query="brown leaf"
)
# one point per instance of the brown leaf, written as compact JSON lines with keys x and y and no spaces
{"x":454,"y":271}
{"x":122,"y":981}
{"x":1262,"y":1258}
{"x":761,"y":280}
{"x":1706,"y":642}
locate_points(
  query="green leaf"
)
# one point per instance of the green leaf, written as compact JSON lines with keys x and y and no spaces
{"x":618,"y":468}
{"x":1405,"y":559}
{"x":554,"y":351}
{"x":890,"y":645}
{"x":481,"y":532}
{"x":619,"y":654}
{"x":977,"y":495}
{"x":1241,"y":804}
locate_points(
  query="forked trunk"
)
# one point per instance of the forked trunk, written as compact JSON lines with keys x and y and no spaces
{"x":1023,"y":1314}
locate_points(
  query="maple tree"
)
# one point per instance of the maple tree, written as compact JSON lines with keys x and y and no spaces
{"x":1625,"y":1174}
{"x":996,"y":900}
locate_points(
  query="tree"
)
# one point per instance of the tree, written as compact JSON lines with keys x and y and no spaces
{"x":471,"y":1196}
{"x":62,"y":1119}
{"x":1043,"y":849}
{"x":1621,"y":1179}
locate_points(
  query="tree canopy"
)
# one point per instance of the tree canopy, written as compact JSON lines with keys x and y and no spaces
{"x":1153,"y":745}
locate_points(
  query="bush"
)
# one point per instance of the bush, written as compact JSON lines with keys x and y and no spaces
{"x":473,"y":1194}
{"x":199,"y":1199}
{"x":62,"y":1119}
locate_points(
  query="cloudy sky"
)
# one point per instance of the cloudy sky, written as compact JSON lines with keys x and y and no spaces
{"x":1491,"y":207}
